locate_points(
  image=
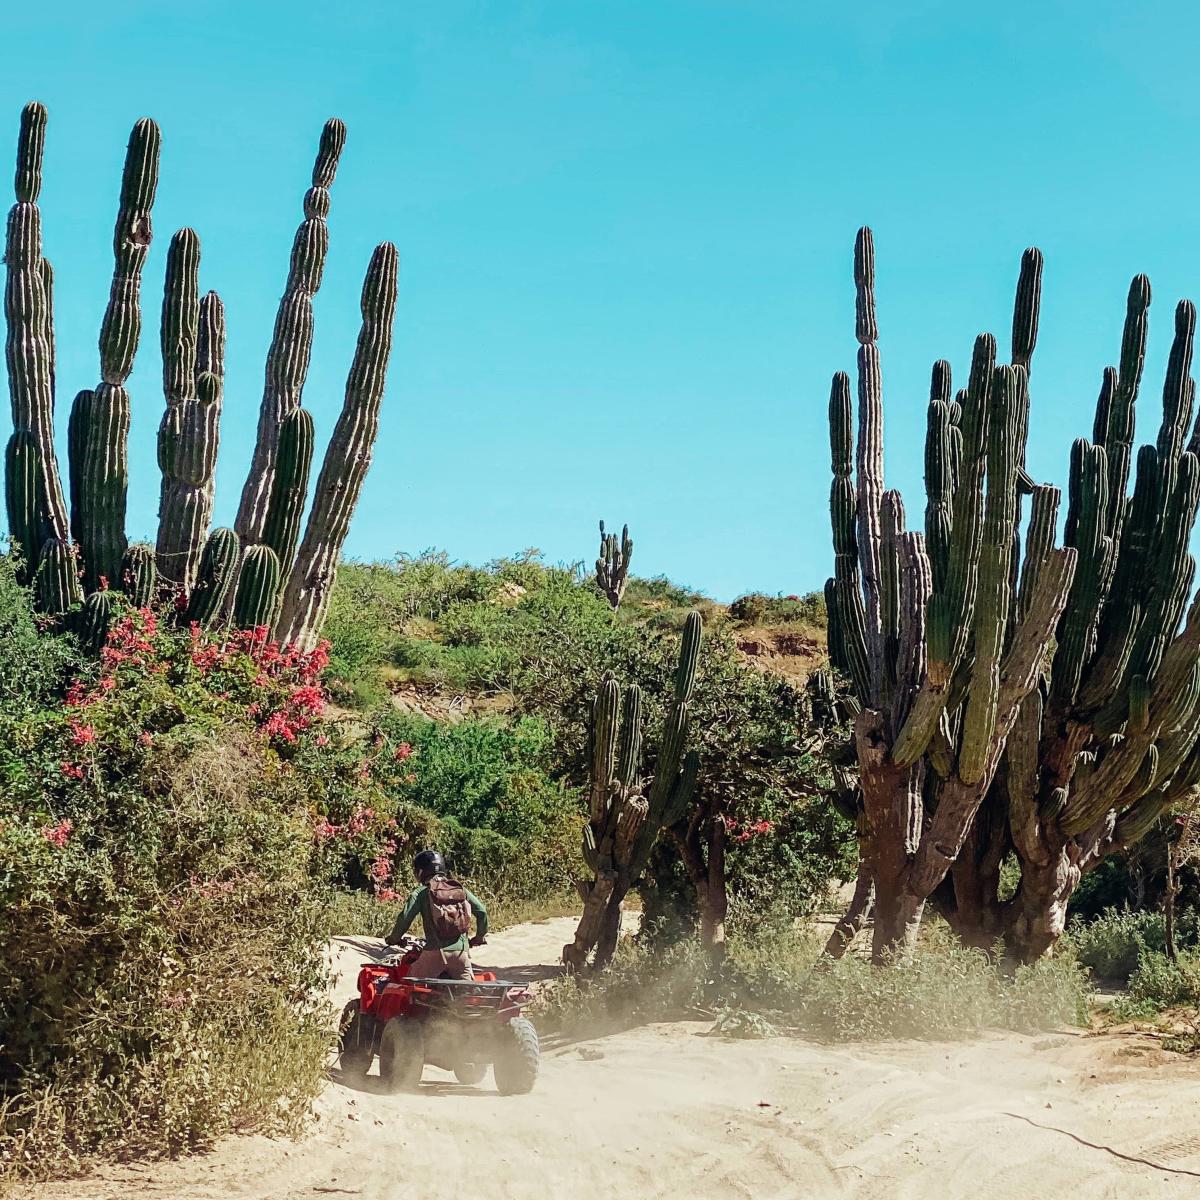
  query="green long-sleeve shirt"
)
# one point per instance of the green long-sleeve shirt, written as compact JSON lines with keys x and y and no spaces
{"x":418,"y":905}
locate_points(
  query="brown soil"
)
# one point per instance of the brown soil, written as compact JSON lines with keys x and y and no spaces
{"x":792,"y":654}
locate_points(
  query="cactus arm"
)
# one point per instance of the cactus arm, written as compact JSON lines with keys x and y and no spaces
{"x":257,"y":589}
{"x":290,"y":491}
{"x":29,"y":345}
{"x":869,"y":455}
{"x":291,"y":343}
{"x":347,"y":458}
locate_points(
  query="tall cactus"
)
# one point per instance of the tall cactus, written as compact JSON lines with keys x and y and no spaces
{"x":306,"y":598}
{"x":1091,"y":708}
{"x":922,"y":621}
{"x":30,"y":344}
{"x":189,"y":432}
{"x":193,"y":349}
{"x":291,"y":343}
{"x":612,"y":567}
{"x":625,"y":816}
{"x":99,"y":432}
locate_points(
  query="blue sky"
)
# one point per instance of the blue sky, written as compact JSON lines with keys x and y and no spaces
{"x":625,"y":233}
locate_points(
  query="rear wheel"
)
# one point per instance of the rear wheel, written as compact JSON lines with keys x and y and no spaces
{"x":517,"y":1058}
{"x":355,"y":1043}
{"x":401,"y":1055}
{"x":470,"y":1073}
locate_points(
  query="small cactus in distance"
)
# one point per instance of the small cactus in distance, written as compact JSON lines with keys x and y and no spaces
{"x":612,"y":567}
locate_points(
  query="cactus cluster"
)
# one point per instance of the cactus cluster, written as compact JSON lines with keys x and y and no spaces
{"x":625,"y":810}
{"x":262,"y":572}
{"x":1014,"y":697}
{"x":612,"y":567}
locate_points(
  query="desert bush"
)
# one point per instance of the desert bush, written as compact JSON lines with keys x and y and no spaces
{"x":503,"y":820}
{"x":755,"y":608}
{"x":1158,"y":984}
{"x":942,"y":991}
{"x":160,"y":966}
{"x":34,"y":662}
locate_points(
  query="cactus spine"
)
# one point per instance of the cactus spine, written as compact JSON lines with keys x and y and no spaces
{"x":625,"y":816}
{"x":612,"y":567}
{"x":347,"y":458}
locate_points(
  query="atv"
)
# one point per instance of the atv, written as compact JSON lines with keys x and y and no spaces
{"x":460,"y":1025}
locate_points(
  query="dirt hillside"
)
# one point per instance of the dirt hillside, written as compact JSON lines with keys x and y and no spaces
{"x":667,"y":1111}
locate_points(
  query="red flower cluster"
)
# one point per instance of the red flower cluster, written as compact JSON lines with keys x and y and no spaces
{"x":82,"y":735}
{"x":58,"y":835}
{"x":402,"y":751}
{"x":743,"y":833}
{"x":71,"y":770}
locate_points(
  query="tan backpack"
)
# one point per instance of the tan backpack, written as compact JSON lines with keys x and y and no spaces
{"x":448,"y":908}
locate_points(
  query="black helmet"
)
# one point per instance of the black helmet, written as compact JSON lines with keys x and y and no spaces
{"x":427,"y":864}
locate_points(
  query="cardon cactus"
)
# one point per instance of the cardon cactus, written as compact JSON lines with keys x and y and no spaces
{"x":56,"y":584}
{"x":189,"y":432}
{"x":612,"y":567}
{"x":625,"y":811}
{"x":292,"y":465}
{"x":193,"y":352}
{"x":30,"y":344}
{"x":1040,"y":702}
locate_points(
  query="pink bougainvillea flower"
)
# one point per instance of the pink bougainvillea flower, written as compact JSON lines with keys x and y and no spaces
{"x":402,"y":751}
{"x":58,"y":835}
{"x":82,"y":735}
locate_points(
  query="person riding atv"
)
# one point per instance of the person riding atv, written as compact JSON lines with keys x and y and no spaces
{"x":445,"y":907}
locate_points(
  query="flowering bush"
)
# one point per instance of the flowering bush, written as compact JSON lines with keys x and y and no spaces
{"x":161,"y":976}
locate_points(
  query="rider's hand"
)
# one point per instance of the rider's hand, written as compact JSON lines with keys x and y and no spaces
{"x":477,"y":941}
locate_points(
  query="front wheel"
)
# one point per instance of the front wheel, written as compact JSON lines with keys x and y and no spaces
{"x":356,"y":1041}
{"x":401,"y":1055}
{"x":517,"y":1058}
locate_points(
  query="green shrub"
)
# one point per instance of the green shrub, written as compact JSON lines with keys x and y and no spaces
{"x":755,"y":608}
{"x":161,"y":976}
{"x":503,"y":821}
{"x":1158,"y":983}
{"x":1112,"y":945}
{"x":944,"y":991}
{"x":34,"y":663}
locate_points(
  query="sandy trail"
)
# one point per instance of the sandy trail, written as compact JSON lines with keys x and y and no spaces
{"x":666,"y":1111}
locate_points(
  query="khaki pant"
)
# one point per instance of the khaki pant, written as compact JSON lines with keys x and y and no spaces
{"x":431,"y":964}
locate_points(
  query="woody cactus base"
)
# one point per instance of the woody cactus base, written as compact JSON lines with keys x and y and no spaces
{"x":1015,"y":698}
{"x":263,"y":572}
{"x":627,"y":811}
